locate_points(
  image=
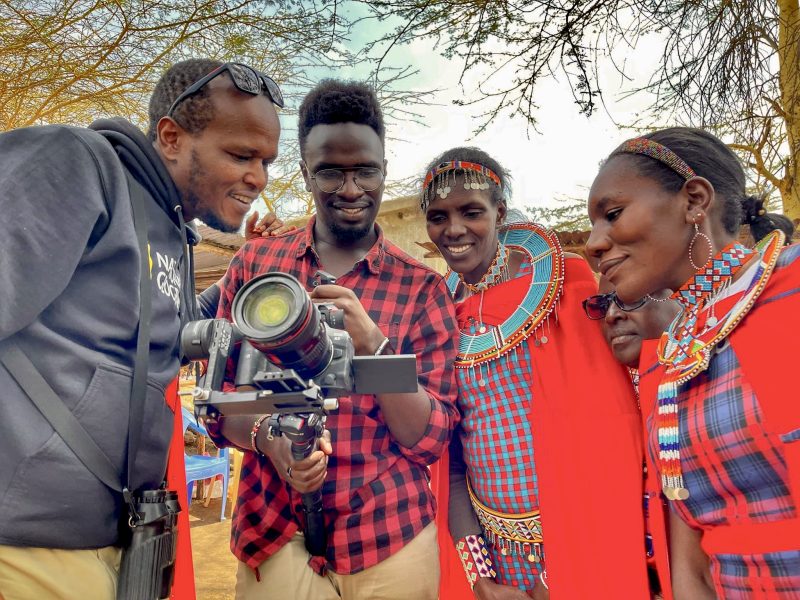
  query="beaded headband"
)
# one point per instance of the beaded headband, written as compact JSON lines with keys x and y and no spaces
{"x":475,"y":178}
{"x":660,"y":153}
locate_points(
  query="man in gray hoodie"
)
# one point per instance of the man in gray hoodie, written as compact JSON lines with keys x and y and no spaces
{"x":69,"y":300}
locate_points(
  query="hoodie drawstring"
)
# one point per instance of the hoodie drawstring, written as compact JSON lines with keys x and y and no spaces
{"x":189,"y":302}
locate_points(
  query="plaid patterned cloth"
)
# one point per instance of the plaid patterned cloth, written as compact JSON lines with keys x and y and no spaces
{"x":497,"y":440}
{"x":376,"y":496}
{"x":736,"y":473}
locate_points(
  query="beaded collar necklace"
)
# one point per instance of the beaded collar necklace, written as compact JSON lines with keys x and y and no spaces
{"x":714,"y":276}
{"x":685,"y":348}
{"x":543,"y":251}
{"x":496,"y":273}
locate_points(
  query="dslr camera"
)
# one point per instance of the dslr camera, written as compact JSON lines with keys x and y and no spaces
{"x":292,"y":360}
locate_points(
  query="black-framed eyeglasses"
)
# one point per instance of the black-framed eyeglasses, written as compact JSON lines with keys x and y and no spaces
{"x":331,"y":181}
{"x":245,"y":78}
{"x":597,"y":306}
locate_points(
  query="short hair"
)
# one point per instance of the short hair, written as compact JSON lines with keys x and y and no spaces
{"x":499,"y":194}
{"x":195,"y":112}
{"x":334,"y":101}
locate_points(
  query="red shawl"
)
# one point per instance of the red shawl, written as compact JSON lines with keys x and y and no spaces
{"x":762,"y":343}
{"x":183,"y":588}
{"x":587,"y":438}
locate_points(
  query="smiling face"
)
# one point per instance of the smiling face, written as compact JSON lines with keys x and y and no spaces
{"x":348,"y":215}
{"x":640,"y":232}
{"x":625,"y":330}
{"x":464,"y":228}
{"x":222,"y":169}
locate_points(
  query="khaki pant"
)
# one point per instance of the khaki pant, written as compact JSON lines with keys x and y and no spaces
{"x":39,"y":573}
{"x":410,"y":574}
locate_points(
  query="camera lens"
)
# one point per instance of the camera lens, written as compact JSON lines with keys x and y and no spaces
{"x":276,"y":315}
{"x":269,"y":306}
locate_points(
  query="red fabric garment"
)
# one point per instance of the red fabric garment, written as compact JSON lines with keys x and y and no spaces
{"x":588,"y":442}
{"x":761,"y":343}
{"x":183,"y":587}
{"x":657,"y":523}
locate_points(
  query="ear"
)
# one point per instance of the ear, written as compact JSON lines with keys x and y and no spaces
{"x":701,"y":197}
{"x":170,"y":138}
{"x":385,"y":170}
{"x":306,"y":175}
{"x":502,"y":210}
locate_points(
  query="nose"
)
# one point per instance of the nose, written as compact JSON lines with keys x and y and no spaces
{"x":598,"y":242}
{"x":349,"y":189}
{"x":614,"y":314}
{"x":455,"y":229}
{"x":256,"y":175}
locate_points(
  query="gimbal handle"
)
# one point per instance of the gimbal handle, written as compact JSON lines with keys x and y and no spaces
{"x":304,"y":430}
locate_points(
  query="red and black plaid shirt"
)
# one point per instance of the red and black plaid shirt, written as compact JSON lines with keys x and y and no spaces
{"x":376,"y":495}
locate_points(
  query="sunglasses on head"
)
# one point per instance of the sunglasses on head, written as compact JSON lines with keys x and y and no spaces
{"x":597,"y":306}
{"x":245,"y":78}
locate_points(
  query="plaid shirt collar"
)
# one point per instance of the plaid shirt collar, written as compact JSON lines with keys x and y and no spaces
{"x":373,"y":258}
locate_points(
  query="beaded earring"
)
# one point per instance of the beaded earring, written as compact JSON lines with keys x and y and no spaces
{"x":698,"y":233}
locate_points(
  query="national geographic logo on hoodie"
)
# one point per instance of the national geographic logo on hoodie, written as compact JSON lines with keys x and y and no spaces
{"x":168,"y":276}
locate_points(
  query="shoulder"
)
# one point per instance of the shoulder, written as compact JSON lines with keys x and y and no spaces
{"x":405,"y":260}
{"x":60,"y":163}
{"x":275,"y":252}
{"x":62,"y":140}
{"x":290,"y":240}
{"x":789,"y":256}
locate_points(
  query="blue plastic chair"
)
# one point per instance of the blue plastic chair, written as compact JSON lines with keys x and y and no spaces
{"x":205,"y":467}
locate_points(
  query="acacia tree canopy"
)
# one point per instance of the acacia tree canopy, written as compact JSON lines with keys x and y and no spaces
{"x":730,"y":66}
{"x":73,"y":61}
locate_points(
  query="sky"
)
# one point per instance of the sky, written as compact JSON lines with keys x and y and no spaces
{"x":559,"y":160}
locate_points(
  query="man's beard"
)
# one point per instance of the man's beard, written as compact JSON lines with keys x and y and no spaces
{"x":349,"y":235}
{"x":199,"y":209}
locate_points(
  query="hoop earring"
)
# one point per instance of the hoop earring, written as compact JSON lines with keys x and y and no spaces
{"x":698,"y":233}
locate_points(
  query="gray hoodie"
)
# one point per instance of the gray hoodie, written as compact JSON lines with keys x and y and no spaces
{"x":69,"y":298}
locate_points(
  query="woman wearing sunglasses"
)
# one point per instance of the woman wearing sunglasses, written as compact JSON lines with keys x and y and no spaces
{"x":625,"y":327}
{"x":537,"y":501}
{"x":723,"y":421}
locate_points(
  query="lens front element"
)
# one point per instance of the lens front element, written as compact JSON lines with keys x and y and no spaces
{"x":268,"y":307}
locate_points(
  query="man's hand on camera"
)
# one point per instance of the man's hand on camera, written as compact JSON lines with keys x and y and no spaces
{"x":367,"y":336}
{"x":269,"y":225}
{"x":305,"y":475}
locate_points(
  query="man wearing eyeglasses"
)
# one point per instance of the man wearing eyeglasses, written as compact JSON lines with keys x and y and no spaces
{"x":70,"y":265}
{"x":378,"y":506}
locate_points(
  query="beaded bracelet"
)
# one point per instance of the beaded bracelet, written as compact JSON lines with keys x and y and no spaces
{"x":475,"y":558}
{"x":254,"y":434}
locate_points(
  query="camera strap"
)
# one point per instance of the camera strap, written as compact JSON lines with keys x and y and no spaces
{"x":140,"y":364}
{"x":59,"y":415}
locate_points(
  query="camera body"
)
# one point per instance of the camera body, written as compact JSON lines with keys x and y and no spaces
{"x":335,"y":379}
{"x":294,"y":361}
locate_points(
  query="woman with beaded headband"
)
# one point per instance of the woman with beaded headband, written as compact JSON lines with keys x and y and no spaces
{"x":534,"y":500}
{"x":722,"y":422}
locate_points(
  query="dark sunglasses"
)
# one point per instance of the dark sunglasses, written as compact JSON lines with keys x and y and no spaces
{"x":246,"y":79}
{"x":597,"y":306}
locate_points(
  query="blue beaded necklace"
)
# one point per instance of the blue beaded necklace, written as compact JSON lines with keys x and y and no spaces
{"x":543,"y":250}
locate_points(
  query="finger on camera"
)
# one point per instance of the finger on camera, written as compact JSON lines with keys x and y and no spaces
{"x":325,"y":444}
{"x":330,"y":291}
